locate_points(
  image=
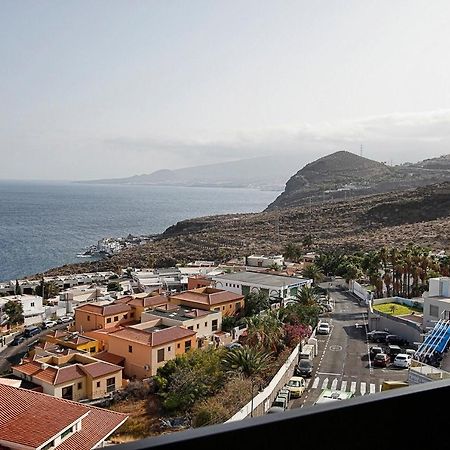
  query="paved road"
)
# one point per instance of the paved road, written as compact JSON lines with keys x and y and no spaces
{"x":343,"y":360}
{"x":13,"y":353}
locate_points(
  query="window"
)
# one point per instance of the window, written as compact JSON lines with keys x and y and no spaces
{"x":206,"y":324}
{"x":168,"y":349}
{"x":216,"y":309}
{"x":214,"y":325}
{"x":160,"y":357}
{"x":231,"y":306}
{"x":108,"y":320}
{"x":32,"y":304}
{"x":191,"y":327}
{"x":92,"y":349}
{"x":49,"y":445}
{"x":198,"y":326}
{"x":110,"y":384}
{"x":98,"y":384}
{"x":223,"y":308}
{"x":66,"y":433}
{"x":116,"y":318}
{"x":88,"y":318}
{"x":434,"y":311}
{"x":130,"y":349}
{"x":187,"y":345}
{"x":67,"y":393}
{"x":178,"y":345}
{"x":125,"y":316}
{"x":237,"y":306}
{"x":80,"y":386}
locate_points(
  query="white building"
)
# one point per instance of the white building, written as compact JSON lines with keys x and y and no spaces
{"x":265,"y":261}
{"x":436,"y":303}
{"x":33,"y":309}
{"x":275,"y":286}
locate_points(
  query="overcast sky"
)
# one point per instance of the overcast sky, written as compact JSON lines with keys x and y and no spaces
{"x":101,"y":89}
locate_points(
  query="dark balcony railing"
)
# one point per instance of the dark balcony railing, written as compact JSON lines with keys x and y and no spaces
{"x":413,"y":416}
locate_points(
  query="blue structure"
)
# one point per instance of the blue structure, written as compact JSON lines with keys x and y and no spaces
{"x":435,"y":341}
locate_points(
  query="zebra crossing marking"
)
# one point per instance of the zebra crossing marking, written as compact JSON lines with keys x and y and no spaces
{"x":316,"y":383}
{"x":353,"y":387}
{"x":362,"y":388}
{"x":372,"y":388}
{"x":334,"y":384}
{"x":325,"y":383}
{"x":344,"y":385}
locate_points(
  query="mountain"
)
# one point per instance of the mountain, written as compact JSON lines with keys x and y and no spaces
{"x":270,"y":172}
{"x":343,"y":175}
{"x":393,"y":219}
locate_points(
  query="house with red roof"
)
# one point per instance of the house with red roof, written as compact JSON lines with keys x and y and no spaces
{"x":210,"y":299}
{"x":74,"y":376}
{"x":149,"y":345}
{"x":37,"y":421}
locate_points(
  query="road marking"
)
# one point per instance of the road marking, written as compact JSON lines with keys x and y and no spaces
{"x":343,"y":385}
{"x":362,"y":388}
{"x":316,"y":383}
{"x":353,"y":386}
{"x":329,"y":373}
{"x":334,"y":384}
{"x":325,"y":383}
{"x":372,"y":388}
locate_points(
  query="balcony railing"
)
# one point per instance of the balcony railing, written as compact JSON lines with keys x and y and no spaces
{"x":412,"y":416}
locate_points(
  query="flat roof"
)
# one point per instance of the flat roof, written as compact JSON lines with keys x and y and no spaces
{"x":182,"y":313}
{"x":267,"y":279}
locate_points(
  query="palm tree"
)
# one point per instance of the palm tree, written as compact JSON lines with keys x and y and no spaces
{"x":265,"y":331}
{"x":307,"y":295}
{"x":246,"y":360}
{"x":313,"y":272}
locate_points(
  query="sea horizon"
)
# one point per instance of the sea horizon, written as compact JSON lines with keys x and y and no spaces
{"x":46,"y":223}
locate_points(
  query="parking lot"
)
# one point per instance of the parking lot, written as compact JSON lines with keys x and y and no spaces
{"x":343,"y":361}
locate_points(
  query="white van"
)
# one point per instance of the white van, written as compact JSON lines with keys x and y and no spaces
{"x":307,"y":352}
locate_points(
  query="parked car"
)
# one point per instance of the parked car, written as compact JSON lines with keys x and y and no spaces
{"x":402,"y":360}
{"x":323,"y":328}
{"x":381,"y":360}
{"x":395,"y":339}
{"x":18,"y":340}
{"x":65,"y":319}
{"x":284,"y":392}
{"x":279,"y":405}
{"x":304,"y":368}
{"x":393,"y":351}
{"x":49,"y":323}
{"x":296,"y":385}
{"x":31,"y":331}
{"x":377,"y":336}
{"x":375,"y":350}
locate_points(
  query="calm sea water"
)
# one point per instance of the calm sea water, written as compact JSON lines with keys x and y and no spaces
{"x":45,"y":225}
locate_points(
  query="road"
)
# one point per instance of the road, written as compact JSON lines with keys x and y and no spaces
{"x":12,"y":354}
{"x":343,"y":358}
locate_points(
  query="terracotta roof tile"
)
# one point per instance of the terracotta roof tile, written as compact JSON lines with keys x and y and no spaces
{"x":69,"y":373}
{"x":147,"y":302}
{"x":208,"y":296}
{"x":36,"y":410}
{"x":156,"y":337}
{"x":100,"y":368}
{"x":104,"y":310}
{"x":110,"y":357}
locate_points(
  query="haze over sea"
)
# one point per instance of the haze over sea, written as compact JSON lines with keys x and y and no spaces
{"x":46,"y":224}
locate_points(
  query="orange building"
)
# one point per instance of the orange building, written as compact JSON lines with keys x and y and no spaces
{"x":140,"y":304}
{"x":94,"y":316}
{"x":211,"y":299}
{"x":149,"y":345}
{"x":198,"y":281}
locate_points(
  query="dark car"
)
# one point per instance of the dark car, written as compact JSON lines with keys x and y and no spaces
{"x":395,"y":339}
{"x":393,"y":351}
{"x":377,"y":336}
{"x":381,"y":360}
{"x":31,"y":331}
{"x":304,"y":368}
{"x":18,"y":340}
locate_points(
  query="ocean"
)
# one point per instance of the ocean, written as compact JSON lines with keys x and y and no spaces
{"x":46,"y":224}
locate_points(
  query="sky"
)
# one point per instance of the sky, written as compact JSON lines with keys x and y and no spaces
{"x":103,"y":89}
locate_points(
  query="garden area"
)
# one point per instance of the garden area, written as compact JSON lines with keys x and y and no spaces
{"x":396,"y":309}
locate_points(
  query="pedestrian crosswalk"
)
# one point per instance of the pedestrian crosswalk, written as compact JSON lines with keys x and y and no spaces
{"x":356,"y":387}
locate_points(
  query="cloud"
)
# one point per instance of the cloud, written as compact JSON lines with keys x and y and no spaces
{"x":413,"y":136}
